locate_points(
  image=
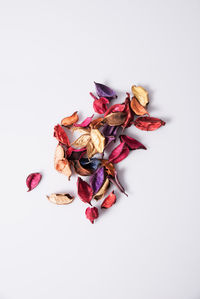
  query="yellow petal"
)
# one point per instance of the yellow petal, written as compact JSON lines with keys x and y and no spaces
{"x":60,"y":199}
{"x":141,"y":95}
{"x":103,"y":190}
{"x":81,"y":141}
{"x":115,"y":118}
{"x":91,"y":150}
{"x":98,"y":140}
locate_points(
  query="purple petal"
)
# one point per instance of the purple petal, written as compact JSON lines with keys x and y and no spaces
{"x":110,"y":130}
{"x":105,"y":91}
{"x":97,"y":179}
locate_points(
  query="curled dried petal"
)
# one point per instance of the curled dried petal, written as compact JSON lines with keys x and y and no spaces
{"x":137,"y":107}
{"x":109,"y":167}
{"x":60,"y":135}
{"x":110,"y":130}
{"x":84,"y":190}
{"x":129,"y":114}
{"x":33,"y":180}
{"x":75,"y":154}
{"x":97,"y":180}
{"x":119,"y":153}
{"x":92,"y":214}
{"x":80,"y":130}
{"x":100,"y":105}
{"x":63,"y":166}
{"x":102,"y":191}
{"x":91,"y":164}
{"x":80,"y":169}
{"x":85,"y":123}
{"x":105,"y":91}
{"x":109,"y":200}
{"x":115,"y":108}
{"x":114,"y":180}
{"x":91,"y":150}
{"x":98,"y":140}
{"x":116,"y":118}
{"x":132,"y":143}
{"x":148,"y":123}
{"x":97,"y":123}
{"x":60,"y":199}
{"x":82,"y":141}
{"x":141,"y":95}
{"x":70,"y":120}
{"x":59,"y":153}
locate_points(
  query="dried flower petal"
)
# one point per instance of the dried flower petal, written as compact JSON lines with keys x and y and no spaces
{"x":119,"y":153}
{"x":99,"y":105}
{"x":115,"y":108}
{"x":60,"y":199}
{"x":148,"y":123}
{"x":91,"y":150}
{"x":60,"y":135}
{"x":141,"y":95}
{"x":97,"y":123}
{"x":105,"y":91}
{"x":116,"y":118}
{"x":80,"y":169}
{"x":114,"y":180}
{"x":70,"y":120}
{"x":82,"y":141}
{"x":102,"y":191}
{"x":75,"y":154}
{"x":98,"y":140}
{"x":85,"y":123}
{"x":137,"y":107}
{"x":59,"y":153}
{"x":109,"y":167}
{"x":92,"y":214}
{"x":80,"y":130}
{"x":129,"y":113}
{"x":33,"y":180}
{"x":97,"y":179}
{"x":91,"y":164}
{"x":110,"y":130}
{"x":132,"y":143}
{"x":63,"y":166}
{"x":109,"y":200}
{"x":84,"y":190}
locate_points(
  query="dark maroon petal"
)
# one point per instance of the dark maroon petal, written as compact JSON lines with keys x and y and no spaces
{"x":132,"y":143}
{"x":92,"y":214}
{"x":84,"y":190}
{"x":97,"y":179}
{"x":85,"y":123}
{"x":105,"y":91}
{"x":119,"y":153}
{"x":33,"y":180}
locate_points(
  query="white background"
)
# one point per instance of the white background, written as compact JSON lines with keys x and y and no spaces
{"x":147,"y":245}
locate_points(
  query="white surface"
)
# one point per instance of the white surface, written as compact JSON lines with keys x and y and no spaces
{"x":147,"y":245}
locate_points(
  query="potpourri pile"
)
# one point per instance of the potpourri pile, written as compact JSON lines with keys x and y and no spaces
{"x":85,"y":155}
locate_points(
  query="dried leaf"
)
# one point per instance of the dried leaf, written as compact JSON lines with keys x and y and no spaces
{"x":100,"y":194}
{"x":70,"y":120}
{"x":33,"y":180}
{"x":137,"y":107}
{"x":148,"y":123}
{"x":92,"y":214}
{"x":80,"y":169}
{"x":85,"y":123}
{"x":84,"y":190}
{"x":132,"y":143}
{"x":97,"y":180}
{"x":109,"y":200}
{"x":91,"y":150}
{"x":119,"y":153}
{"x":116,"y":118}
{"x":82,"y":141}
{"x":141,"y":95}
{"x":98,"y":140}
{"x":105,"y":91}
{"x":115,"y":108}
{"x":63,"y":166}
{"x":60,"y":199}
{"x":60,"y":135}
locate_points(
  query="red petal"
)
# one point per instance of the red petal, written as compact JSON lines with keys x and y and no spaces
{"x":84,"y":190}
{"x":85,"y":123}
{"x":119,"y":153}
{"x":33,"y":180}
{"x":60,"y":135}
{"x":92,"y":214}
{"x":148,"y":123}
{"x":132,"y":143}
{"x":100,"y":105}
{"x":115,"y":108}
{"x":109,"y":200}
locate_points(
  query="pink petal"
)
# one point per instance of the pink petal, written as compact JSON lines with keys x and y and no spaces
{"x":85,"y":123}
{"x":33,"y":180}
{"x":119,"y":153}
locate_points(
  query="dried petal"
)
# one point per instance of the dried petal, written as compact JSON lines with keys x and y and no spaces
{"x":97,"y":123}
{"x":75,"y":154}
{"x":105,"y":91}
{"x":141,"y":95}
{"x":84,"y":190}
{"x":80,"y":169}
{"x":115,"y":108}
{"x":109,"y":167}
{"x":82,"y":141}
{"x":91,"y":150}
{"x":110,"y":130}
{"x":97,"y":179}
{"x":91,"y":164}
{"x":60,"y":135}
{"x":119,"y":153}
{"x":98,"y":140}
{"x":137,"y":107}
{"x":70,"y":120}
{"x":129,"y":113}
{"x":80,"y":130}
{"x":148,"y":123}
{"x":63,"y":166}
{"x":99,"y":105}
{"x":109,"y":200}
{"x":132,"y":143}
{"x":116,"y":118}
{"x":100,"y":194}
{"x":85,"y":123}
{"x":33,"y":180}
{"x":60,"y":199}
{"x":59,"y":153}
{"x":92,"y":214}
